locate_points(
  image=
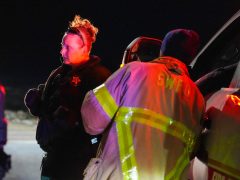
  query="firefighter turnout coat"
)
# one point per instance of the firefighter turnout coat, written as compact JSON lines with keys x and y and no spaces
{"x":150,"y":115}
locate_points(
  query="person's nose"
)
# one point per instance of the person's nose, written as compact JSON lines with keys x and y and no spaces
{"x":62,"y":52}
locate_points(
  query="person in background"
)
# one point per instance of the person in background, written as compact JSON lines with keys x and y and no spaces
{"x":150,"y":114}
{"x":5,"y":159}
{"x":57,"y":103}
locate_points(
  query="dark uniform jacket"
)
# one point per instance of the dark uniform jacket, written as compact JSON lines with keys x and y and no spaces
{"x":60,"y":130}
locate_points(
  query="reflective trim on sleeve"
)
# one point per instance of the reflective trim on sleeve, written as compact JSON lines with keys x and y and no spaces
{"x":106,"y":100}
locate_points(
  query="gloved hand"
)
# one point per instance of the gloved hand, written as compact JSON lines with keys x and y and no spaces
{"x":32,"y":101}
{"x":200,"y":147}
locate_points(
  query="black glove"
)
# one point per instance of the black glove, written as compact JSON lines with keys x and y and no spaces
{"x":32,"y":101}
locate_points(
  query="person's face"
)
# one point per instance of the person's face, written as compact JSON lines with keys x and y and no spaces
{"x":74,"y":50}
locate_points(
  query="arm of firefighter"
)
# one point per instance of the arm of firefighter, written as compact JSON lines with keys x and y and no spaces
{"x":95,"y":119}
{"x":101,"y":104}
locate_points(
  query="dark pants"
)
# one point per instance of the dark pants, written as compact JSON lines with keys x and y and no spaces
{"x":63,"y":166}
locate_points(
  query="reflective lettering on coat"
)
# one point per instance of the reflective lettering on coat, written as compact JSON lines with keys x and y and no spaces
{"x":187,"y":90}
{"x":169,"y":82}
{"x":161,"y":79}
{"x":175,"y":84}
{"x":178,"y":85}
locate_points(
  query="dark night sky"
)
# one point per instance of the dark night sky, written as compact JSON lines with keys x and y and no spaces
{"x":31,"y":30}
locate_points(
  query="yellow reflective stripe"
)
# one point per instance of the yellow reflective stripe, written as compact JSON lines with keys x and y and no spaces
{"x":144,"y":116}
{"x":126,"y":149}
{"x":224,"y":168}
{"x":158,"y":121}
{"x":125,"y":116}
{"x":106,"y":100}
{"x":182,"y":162}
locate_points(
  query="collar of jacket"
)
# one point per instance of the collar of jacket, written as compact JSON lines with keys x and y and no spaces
{"x":91,"y":62}
{"x":172,"y":64}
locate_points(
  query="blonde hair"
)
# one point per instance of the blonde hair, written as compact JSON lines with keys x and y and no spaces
{"x":80,"y":23}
